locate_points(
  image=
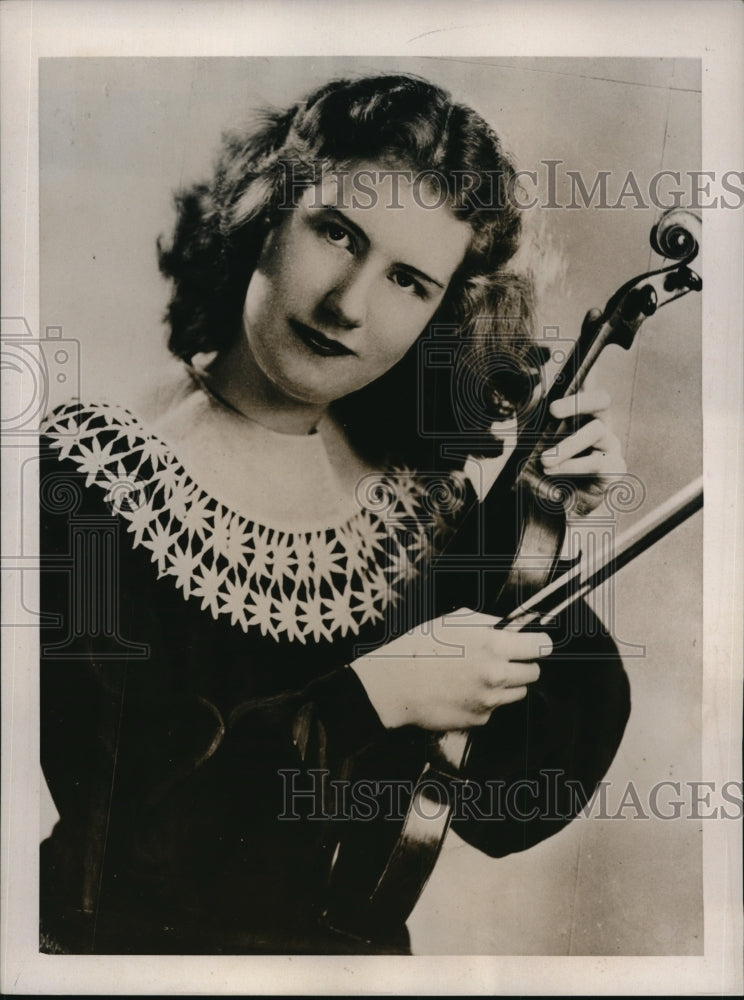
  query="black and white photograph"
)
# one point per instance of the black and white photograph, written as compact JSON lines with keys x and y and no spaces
{"x":371,"y":433}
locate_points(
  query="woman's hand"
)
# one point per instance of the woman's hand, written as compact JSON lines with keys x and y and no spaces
{"x":592,"y":454}
{"x":451,"y":673}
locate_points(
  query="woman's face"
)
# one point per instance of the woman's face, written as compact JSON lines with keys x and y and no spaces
{"x":346,"y":283}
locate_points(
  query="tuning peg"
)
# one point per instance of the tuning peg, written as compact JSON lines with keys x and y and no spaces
{"x":640,"y":300}
{"x":682,"y":278}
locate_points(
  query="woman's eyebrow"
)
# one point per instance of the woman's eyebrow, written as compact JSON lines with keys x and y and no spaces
{"x":360,"y":233}
{"x":420,"y":274}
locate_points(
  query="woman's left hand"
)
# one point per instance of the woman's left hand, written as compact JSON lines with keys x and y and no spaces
{"x":591,"y":454}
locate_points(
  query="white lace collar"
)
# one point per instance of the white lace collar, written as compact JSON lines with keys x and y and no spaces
{"x":294,"y":585}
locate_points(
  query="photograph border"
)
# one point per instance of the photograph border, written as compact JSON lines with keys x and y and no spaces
{"x":711,"y":30}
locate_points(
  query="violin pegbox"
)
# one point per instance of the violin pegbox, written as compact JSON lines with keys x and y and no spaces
{"x":678,"y":236}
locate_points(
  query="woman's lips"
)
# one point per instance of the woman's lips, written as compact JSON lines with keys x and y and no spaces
{"x":317,"y":341}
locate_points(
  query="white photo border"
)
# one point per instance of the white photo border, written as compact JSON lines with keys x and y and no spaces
{"x":710,"y":30}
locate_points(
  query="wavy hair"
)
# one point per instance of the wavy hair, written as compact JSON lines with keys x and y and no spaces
{"x":485,"y":318}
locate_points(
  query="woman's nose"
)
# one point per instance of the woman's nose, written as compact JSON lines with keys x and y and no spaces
{"x":348,"y":300}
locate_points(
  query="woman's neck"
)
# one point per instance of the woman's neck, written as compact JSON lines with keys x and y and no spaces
{"x":238,"y":381}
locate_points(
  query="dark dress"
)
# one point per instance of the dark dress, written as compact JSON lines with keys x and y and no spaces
{"x":196,"y":695}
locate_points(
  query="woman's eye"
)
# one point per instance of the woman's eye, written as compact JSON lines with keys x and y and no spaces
{"x":338,"y":235}
{"x":406,"y":281}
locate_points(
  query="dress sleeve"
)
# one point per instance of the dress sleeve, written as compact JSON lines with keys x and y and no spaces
{"x":537,"y":762}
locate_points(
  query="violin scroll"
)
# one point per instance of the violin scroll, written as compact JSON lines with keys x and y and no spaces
{"x":677,"y":234}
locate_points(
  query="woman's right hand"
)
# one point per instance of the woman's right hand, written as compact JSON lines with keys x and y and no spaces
{"x":451,"y":673}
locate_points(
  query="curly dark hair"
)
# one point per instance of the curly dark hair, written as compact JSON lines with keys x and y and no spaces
{"x":398,"y":121}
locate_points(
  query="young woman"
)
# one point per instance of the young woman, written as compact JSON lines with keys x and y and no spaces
{"x":247,"y":555}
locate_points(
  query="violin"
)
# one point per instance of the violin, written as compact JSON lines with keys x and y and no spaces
{"x":538,"y":503}
{"x":534,"y":587}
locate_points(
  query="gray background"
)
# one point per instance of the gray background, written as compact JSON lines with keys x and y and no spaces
{"x":117,"y":135}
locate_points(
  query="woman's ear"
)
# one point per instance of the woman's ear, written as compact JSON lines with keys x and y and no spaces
{"x":268,"y":255}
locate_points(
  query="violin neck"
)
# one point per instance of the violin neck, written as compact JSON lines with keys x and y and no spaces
{"x":541,"y":430}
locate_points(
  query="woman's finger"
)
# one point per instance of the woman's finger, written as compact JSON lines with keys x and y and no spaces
{"x":522,"y":647}
{"x":596,"y":464}
{"x":582,"y":403}
{"x":507,"y":696}
{"x":594,"y":435}
{"x":515,"y":675}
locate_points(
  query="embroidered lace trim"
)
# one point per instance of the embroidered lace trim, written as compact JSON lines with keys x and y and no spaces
{"x":290,"y":584}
